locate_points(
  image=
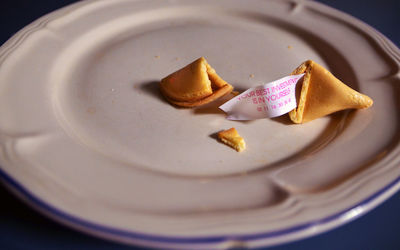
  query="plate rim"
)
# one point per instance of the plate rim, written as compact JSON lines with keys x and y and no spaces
{"x":113,"y":233}
{"x":147,"y":239}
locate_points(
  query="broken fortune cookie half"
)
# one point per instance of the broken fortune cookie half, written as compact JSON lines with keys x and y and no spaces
{"x":194,"y":85}
{"x":322,"y":94}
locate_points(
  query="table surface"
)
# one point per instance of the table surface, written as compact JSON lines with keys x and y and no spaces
{"x":23,"y":228}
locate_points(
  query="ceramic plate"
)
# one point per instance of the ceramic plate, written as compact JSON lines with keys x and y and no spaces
{"x":87,"y":139}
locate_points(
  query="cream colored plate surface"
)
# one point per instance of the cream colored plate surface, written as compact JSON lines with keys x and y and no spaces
{"x":87,"y":138}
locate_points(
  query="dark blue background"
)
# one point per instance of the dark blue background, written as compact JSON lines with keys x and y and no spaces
{"x":23,"y":228}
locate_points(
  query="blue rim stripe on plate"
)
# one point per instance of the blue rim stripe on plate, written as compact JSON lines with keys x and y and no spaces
{"x":167,"y":239}
{"x":49,"y":209}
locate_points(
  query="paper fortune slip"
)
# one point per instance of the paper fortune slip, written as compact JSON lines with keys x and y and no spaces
{"x":264,"y":101}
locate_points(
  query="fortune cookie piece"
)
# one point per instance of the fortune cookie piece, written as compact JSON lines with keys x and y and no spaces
{"x":194,"y":85}
{"x":232,"y":138}
{"x":322,"y":94}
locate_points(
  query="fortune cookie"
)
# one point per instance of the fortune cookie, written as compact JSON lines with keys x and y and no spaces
{"x":194,"y":85}
{"x":232,"y":138}
{"x":322,"y":94}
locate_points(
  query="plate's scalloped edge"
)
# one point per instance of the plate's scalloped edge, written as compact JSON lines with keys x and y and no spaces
{"x":291,"y":233}
{"x":222,"y":241}
{"x":40,"y":23}
{"x":381,"y":40}
{"x":18,"y":38}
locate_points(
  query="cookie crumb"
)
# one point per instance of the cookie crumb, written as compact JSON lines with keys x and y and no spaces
{"x":91,"y":110}
{"x":232,"y":138}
